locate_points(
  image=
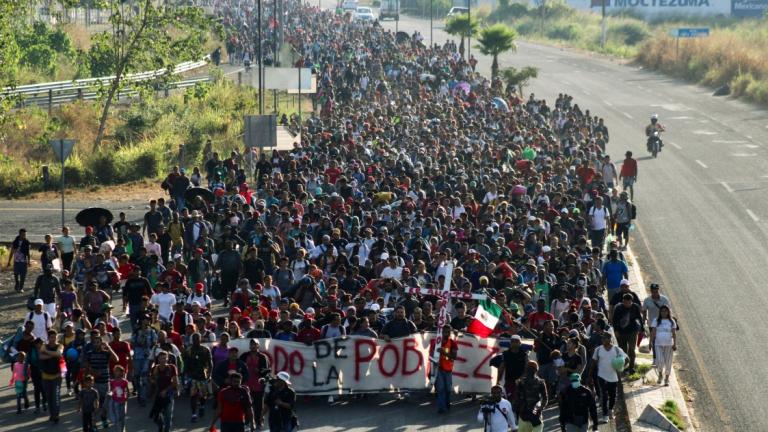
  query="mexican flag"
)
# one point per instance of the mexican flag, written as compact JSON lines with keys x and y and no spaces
{"x":486,"y":318}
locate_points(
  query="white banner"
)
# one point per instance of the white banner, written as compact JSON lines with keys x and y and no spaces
{"x":357,"y":364}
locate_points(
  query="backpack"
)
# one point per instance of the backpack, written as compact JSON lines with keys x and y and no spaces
{"x":45,"y":314}
{"x":8,"y":351}
{"x":632,"y":211}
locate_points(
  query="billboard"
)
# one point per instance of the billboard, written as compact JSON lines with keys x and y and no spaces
{"x":749,"y":8}
{"x":658,"y":7}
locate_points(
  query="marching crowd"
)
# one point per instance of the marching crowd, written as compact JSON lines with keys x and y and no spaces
{"x":414,"y":162}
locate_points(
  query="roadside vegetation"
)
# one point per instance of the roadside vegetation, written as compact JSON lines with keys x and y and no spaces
{"x":733,"y":54}
{"x":672,"y":412}
{"x":141,"y":142}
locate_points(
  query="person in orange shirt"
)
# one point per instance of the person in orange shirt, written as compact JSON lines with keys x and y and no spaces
{"x":443,"y":381}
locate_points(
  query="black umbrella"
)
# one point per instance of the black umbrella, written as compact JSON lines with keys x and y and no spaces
{"x":192,"y":193}
{"x":92,"y":215}
{"x":401,"y":37}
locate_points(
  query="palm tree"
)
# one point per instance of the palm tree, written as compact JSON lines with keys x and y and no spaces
{"x":461,"y":25}
{"x":495,"y":40}
{"x":518,"y":78}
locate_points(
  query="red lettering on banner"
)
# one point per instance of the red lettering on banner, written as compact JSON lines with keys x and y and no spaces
{"x":382,"y":355}
{"x":485,"y":361}
{"x":409,"y":345}
{"x":280,"y":362}
{"x":359,"y":358}
{"x":296,"y":363}
{"x":460,"y":359}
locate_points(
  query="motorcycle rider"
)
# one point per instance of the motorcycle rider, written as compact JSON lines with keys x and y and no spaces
{"x":655,"y":126}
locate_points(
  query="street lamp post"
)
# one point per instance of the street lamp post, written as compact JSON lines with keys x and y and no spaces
{"x":258,"y":53}
{"x":602,"y":27}
{"x":469,"y":35}
{"x":431,"y":14}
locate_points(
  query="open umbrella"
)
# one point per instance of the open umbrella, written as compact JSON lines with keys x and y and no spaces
{"x":500,"y":104}
{"x":401,"y":37}
{"x":192,"y":193}
{"x":91,"y":216}
{"x":463,"y":86}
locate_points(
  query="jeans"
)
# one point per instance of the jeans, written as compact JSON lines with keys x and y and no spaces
{"x":141,"y":377}
{"x":525,"y":426}
{"x":103,"y":389}
{"x":66,"y":260}
{"x":443,"y":387}
{"x":628,"y":343}
{"x":257,"y":397}
{"x":117,"y":414}
{"x":180,"y":203}
{"x":165,"y":418}
{"x":607,"y":394}
{"x":88,"y":425}
{"x":52,"y":390}
{"x":597,"y":237}
{"x":135,"y":311}
{"x":20,"y":274}
{"x":570,"y":427}
{"x":232,"y":427}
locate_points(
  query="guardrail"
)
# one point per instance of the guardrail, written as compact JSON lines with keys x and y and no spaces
{"x":60,"y":92}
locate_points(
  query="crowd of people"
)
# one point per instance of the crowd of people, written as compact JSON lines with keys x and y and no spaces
{"x":412,"y":163}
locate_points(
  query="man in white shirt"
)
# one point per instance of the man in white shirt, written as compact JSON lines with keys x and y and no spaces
{"x":609,"y":172}
{"x":164,"y":302}
{"x":41,"y":319}
{"x":393,"y":270}
{"x":497,"y":416}
{"x":67,"y":248}
{"x":598,"y":222}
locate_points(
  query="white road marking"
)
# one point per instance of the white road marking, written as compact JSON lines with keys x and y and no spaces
{"x":675,"y":145}
{"x":727,"y":188}
{"x":627,"y":115}
{"x":681,"y":118}
{"x":587,"y":93}
{"x":728,"y":141}
{"x":607,"y":103}
{"x":703,"y":165}
{"x":752,"y":215}
{"x":749,"y":136}
{"x":750,"y":146}
{"x":744,"y":154}
{"x":704,"y":132}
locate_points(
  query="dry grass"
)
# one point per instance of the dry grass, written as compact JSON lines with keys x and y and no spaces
{"x":734,"y":55}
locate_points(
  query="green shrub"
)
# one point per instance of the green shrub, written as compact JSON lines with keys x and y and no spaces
{"x":630,"y":32}
{"x":104,"y":168}
{"x":527,"y":26}
{"x":567,"y":32}
{"x":60,"y":41}
{"x":40,"y":57}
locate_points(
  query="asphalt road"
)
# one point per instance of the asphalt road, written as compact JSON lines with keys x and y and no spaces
{"x":702,"y":214}
{"x":701,"y":231}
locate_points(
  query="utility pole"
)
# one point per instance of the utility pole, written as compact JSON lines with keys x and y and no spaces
{"x":260,"y":65}
{"x":469,"y":35}
{"x":431,"y":18}
{"x":602,"y":27}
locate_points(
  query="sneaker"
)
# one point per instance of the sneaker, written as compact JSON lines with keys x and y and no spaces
{"x":194,"y":419}
{"x":330,"y":399}
{"x":104,"y":424}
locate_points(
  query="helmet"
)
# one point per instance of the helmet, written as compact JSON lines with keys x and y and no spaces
{"x":654,"y":116}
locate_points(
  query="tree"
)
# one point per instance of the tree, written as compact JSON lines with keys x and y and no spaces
{"x":144,"y":35}
{"x":12,"y":16}
{"x":461,"y":25}
{"x":519,"y":78}
{"x":494,"y":40}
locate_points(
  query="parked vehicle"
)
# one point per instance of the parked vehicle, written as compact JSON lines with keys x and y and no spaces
{"x":389,"y":9}
{"x":349,"y":6}
{"x":458,"y":10}
{"x":364,"y":13}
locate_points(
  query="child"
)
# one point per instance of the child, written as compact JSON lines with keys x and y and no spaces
{"x":88,"y":403}
{"x":19,"y":378}
{"x":118,"y":387}
{"x":68,"y":300}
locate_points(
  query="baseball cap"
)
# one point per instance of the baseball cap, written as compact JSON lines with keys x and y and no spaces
{"x":39,"y":302}
{"x":624,"y":282}
{"x":516,"y":338}
{"x":284,"y":376}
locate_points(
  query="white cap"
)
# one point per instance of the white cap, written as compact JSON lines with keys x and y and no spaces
{"x":284,"y":376}
{"x":624,"y":282}
{"x":39,"y":302}
{"x":375,"y":307}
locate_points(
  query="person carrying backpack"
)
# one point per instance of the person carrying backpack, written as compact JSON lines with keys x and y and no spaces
{"x":605,"y":361}
{"x":234,"y":406}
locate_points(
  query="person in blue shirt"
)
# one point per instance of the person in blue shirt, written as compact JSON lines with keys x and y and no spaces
{"x":614,"y":270}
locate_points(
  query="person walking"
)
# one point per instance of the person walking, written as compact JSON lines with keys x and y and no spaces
{"x":577,"y":406}
{"x":234,"y":406}
{"x":664,"y":342}
{"x":599,"y":217}
{"x":513,"y":362}
{"x":628,"y":174}
{"x":118,"y":402}
{"x":88,"y":404}
{"x":627,"y":323}
{"x":67,"y":248}
{"x":50,"y":364}
{"x":443,"y":380}
{"x":198,"y":365}
{"x":279,"y":403}
{"x":96,"y":359}
{"x":20,"y":256}
{"x":165,"y":378}
{"x":607,"y":375}
{"x":531,"y":399}
{"x":497,"y":416}
{"x":258,"y":365}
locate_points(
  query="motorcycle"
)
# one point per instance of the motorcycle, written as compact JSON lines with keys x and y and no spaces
{"x":654,"y":143}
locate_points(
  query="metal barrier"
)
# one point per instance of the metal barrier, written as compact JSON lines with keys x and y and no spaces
{"x":60,"y":92}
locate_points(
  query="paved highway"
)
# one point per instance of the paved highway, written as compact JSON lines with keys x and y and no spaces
{"x":702,"y":213}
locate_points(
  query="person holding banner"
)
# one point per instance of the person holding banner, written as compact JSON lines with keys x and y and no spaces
{"x":443,"y":381}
